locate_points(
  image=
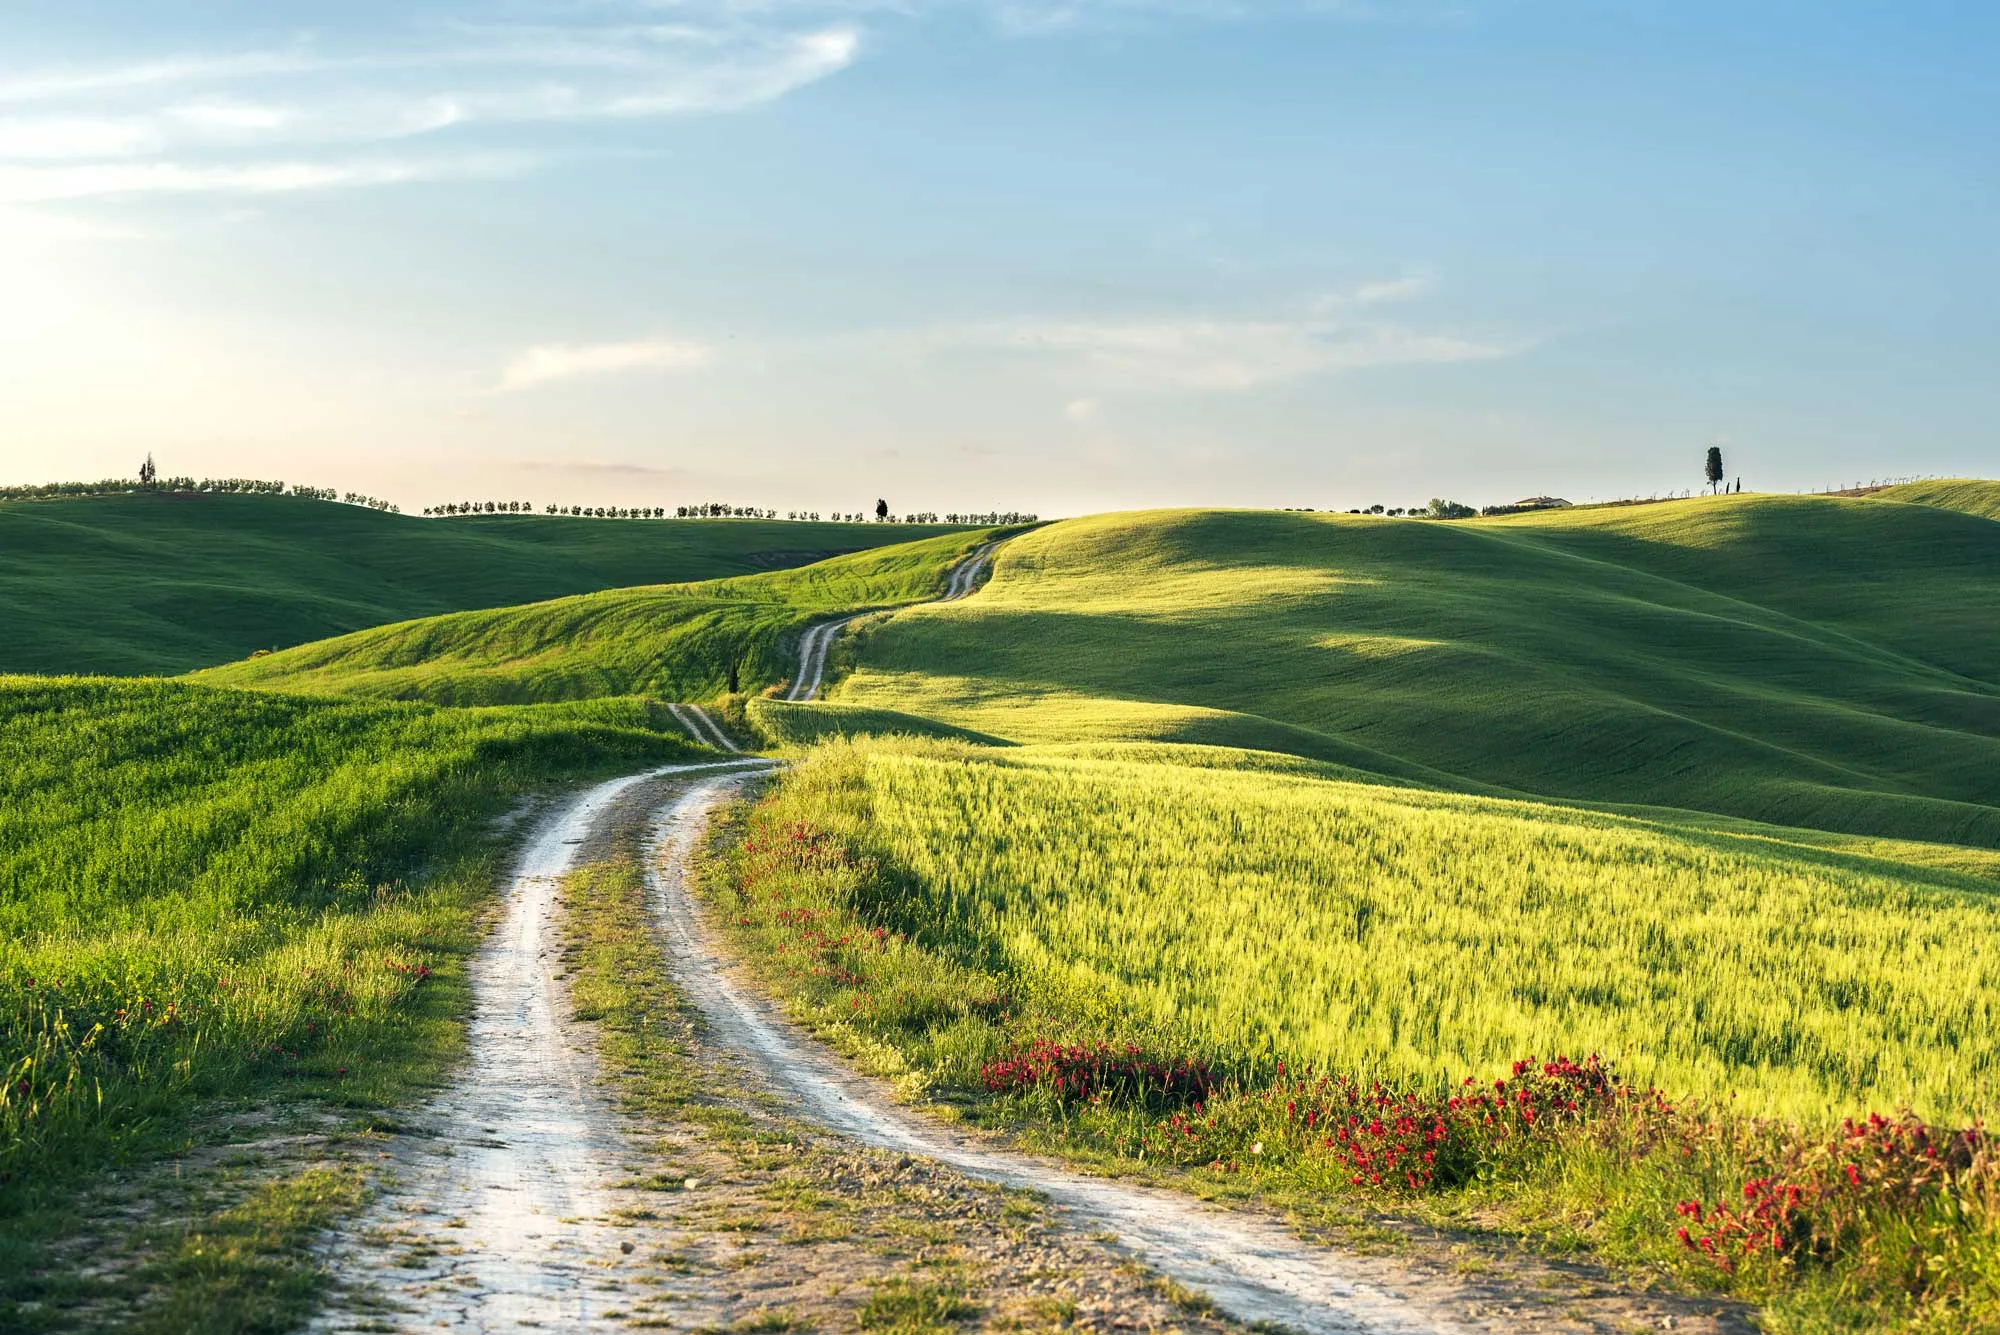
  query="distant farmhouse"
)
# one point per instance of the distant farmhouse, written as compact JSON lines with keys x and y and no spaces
{"x":1532,"y":503}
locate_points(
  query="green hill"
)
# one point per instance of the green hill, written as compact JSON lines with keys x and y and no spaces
{"x":1816,"y":662}
{"x":674,"y":641}
{"x":1972,"y":496}
{"x":165,"y":583}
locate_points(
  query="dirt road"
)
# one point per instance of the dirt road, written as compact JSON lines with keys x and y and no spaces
{"x":526,"y":1198}
{"x":799,"y":1195}
{"x":499,"y":1215}
{"x":816,"y":640}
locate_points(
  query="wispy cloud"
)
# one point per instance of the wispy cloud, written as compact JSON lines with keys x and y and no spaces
{"x":594,"y":468}
{"x":1043,"y":17}
{"x":355,"y":83}
{"x":304,"y":111}
{"x":1236,"y":354}
{"x":101,"y":180}
{"x":1328,"y":333}
{"x":551,"y":362}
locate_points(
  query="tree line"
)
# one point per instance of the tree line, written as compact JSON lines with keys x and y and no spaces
{"x":721,"y":510}
{"x":1439,"y":508}
{"x":152,"y":483}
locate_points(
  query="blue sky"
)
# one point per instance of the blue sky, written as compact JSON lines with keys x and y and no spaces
{"x":1059,"y":255}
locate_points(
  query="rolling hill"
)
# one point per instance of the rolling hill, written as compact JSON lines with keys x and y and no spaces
{"x":1709,"y":787}
{"x":1970,"y":495}
{"x":1815,"y":662}
{"x":672,"y":641}
{"x":164,"y":583}
{"x":1818,"y":662}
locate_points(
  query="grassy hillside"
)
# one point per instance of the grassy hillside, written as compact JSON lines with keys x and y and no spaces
{"x":210,"y":892}
{"x":1817,"y":662}
{"x":673,"y":642}
{"x":1225,"y":913}
{"x":1334,"y":996}
{"x":1970,"y":495}
{"x":165,"y":583}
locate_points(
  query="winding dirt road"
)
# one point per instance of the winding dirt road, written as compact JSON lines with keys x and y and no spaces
{"x":816,"y":640}
{"x":501,"y":1216}
{"x":521,"y":1200}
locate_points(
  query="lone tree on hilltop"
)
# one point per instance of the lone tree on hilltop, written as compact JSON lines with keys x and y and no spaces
{"x":147,"y":472}
{"x":881,"y":510}
{"x":1714,"y":467}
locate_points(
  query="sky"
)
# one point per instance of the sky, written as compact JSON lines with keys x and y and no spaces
{"x":1056,"y":256}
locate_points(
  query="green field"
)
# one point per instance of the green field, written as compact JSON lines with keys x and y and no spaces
{"x":672,"y":642}
{"x":1229,"y":912}
{"x":1971,"y":496}
{"x":1263,"y":982}
{"x":1711,"y":787}
{"x":162,"y":583}
{"x":211,"y":893}
{"x":1823,"y":663}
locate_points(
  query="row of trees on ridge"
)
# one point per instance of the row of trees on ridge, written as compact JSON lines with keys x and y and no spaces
{"x":721,"y":510}
{"x":150,"y":482}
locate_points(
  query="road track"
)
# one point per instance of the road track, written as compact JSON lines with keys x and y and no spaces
{"x":519,"y":1159}
{"x":816,"y":640}
{"x":522,"y":1160}
{"x":704,"y":728}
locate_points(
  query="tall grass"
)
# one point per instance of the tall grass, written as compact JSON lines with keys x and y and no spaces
{"x":1312,"y":986}
{"x":202,"y":891}
{"x":1409,"y":934}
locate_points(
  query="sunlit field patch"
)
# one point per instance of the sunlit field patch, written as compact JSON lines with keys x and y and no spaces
{"x":210,"y":892}
{"x":1426,"y":935}
{"x":1352,"y":991}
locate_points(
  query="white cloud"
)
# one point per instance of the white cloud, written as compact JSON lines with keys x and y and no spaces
{"x":45,"y":185}
{"x":1235,"y":354}
{"x":194,"y":116}
{"x":301,"y":112}
{"x":225,"y":113}
{"x":1384,"y":291}
{"x":58,"y":139}
{"x":551,"y":362}
{"x":1333,"y":333}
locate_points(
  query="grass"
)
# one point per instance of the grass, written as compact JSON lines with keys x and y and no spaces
{"x":906,"y":1307}
{"x":162,"y":583}
{"x":212,"y":899}
{"x":617,"y":983}
{"x":1174,"y":965}
{"x":1969,"y":495}
{"x":1416,"y":935}
{"x":250,"y":1268}
{"x":674,"y":642}
{"x":1710,"y":787}
{"x":1814,"y":662}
